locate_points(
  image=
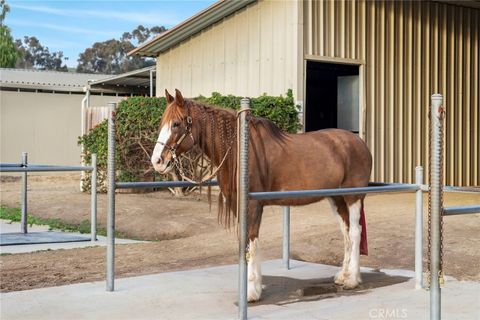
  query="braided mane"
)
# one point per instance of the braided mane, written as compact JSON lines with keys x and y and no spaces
{"x":217,"y":137}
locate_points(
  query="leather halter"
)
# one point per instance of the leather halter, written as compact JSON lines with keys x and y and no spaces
{"x":174,"y":147}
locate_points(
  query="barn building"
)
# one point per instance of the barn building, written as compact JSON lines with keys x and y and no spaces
{"x":44,"y":112}
{"x":366,"y":66}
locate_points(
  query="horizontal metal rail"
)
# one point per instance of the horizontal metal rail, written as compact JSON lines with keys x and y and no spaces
{"x":19,"y":165}
{"x":332,"y":192}
{"x":44,"y":169}
{"x":453,"y":211}
{"x":162,"y":184}
{"x":10,"y":165}
{"x":461,"y":189}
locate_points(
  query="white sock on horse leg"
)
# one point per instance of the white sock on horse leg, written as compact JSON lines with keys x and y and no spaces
{"x":355,"y":231}
{"x":340,"y":275}
{"x":254,"y":271}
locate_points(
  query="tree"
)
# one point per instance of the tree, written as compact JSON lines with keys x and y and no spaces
{"x":8,"y":51}
{"x":39,"y":57}
{"x":111,"y":57}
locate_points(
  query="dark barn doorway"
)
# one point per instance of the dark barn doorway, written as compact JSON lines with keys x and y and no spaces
{"x":332,"y":96}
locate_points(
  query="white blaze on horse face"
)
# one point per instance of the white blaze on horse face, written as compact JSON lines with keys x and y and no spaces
{"x":355,"y":231}
{"x":156,"y":159}
{"x":254,"y":289}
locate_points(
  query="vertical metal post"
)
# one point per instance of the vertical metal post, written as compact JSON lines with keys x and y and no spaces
{"x":436,"y":112}
{"x":83,"y":129}
{"x":93,"y":188}
{"x":151,"y":83}
{"x":111,"y":198}
{"x":286,"y":237}
{"x":419,"y":229}
{"x":24,"y":222}
{"x":243,"y":189}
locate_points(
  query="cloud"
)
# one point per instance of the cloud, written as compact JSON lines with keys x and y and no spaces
{"x":158,"y":18}
{"x":63,"y":28}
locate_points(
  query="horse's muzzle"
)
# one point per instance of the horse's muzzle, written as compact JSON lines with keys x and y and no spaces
{"x":163,"y":167}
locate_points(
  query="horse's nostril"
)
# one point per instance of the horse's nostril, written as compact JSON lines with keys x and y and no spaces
{"x":158,"y":160}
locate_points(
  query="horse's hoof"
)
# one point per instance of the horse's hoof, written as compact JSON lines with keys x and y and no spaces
{"x":359,"y":279}
{"x":339,"y":278}
{"x":254,"y":292}
{"x":350,"y":284}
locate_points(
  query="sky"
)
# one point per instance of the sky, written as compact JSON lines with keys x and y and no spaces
{"x":73,"y":26}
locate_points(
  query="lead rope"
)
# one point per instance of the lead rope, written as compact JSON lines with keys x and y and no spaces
{"x":202,"y":180}
{"x":441,"y":279}
{"x":214,"y":172}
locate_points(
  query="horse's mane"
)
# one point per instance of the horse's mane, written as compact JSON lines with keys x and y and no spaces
{"x":221,"y":139}
{"x":173,"y":112}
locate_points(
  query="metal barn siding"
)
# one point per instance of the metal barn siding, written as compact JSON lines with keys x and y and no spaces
{"x":410,"y":49}
{"x":247,"y":53}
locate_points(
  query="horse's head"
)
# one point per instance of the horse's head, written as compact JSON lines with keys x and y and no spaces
{"x":175,"y":135}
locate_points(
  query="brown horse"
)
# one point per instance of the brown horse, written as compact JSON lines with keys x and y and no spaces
{"x":278,"y":161}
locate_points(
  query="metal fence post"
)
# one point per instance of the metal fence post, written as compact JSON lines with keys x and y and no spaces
{"x":111,"y":198}
{"x":93,"y":188}
{"x":419,"y":228}
{"x":24,"y":220}
{"x":286,"y":237}
{"x":243,"y":207}
{"x":436,"y":114}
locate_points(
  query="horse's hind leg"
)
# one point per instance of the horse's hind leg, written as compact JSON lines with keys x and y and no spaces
{"x":354,"y":207}
{"x":254,"y":289}
{"x":340,"y":210}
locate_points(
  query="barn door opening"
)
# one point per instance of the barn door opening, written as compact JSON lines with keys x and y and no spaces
{"x":332,"y":96}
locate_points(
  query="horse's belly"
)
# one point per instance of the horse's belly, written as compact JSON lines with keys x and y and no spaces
{"x":292,"y":201}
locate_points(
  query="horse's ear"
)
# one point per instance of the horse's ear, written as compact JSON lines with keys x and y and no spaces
{"x":178,"y":98}
{"x":168,"y":96}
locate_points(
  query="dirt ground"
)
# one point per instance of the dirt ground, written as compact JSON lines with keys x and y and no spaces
{"x":185,"y":235}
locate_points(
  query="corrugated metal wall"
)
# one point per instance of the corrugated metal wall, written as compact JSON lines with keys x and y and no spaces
{"x":248,"y":53}
{"x":410,"y":50}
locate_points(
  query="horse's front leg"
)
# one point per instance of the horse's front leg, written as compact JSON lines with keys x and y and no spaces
{"x":255,"y":211}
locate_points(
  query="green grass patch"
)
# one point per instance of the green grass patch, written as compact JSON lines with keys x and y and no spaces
{"x":15,"y":215}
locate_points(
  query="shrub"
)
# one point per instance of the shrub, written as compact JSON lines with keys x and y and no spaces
{"x":281,"y":110}
{"x":137,"y":127}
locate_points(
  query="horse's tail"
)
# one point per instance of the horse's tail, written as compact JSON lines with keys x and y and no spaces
{"x":363,"y":238}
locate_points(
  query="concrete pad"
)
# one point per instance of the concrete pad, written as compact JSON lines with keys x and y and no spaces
{"x":304,"y":292}
{"x":41,"y":232}
{"x":19,"y":238}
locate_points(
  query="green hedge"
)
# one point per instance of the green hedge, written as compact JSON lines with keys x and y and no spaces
{"x":137,"y":127}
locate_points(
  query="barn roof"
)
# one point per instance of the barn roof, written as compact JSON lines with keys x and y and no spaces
{"x":136,"y":82}
{"x":45,"y":80}
{"x":189,"y":27}
{"x":215,"y":13}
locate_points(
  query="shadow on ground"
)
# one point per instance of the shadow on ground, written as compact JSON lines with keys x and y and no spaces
{"x":284,"y":290}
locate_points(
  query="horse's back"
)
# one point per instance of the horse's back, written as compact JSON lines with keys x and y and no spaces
{"x":327,"y":158}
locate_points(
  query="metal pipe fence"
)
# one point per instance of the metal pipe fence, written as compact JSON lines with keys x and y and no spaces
{"x":162,"y":184}
{"x":243,"y":187}
{"x":457,"y":210}
{"x":286,"y":238}
{"x":111,"y":198}
{"x":435,"y":198}
{"x":244,"y":196}
{"x":419,"y":229}
{"x":24,"y":167}
{"x":332,"y":192}
{"x":44,"y":168}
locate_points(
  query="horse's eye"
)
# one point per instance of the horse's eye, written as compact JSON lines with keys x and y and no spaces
{"x":175,"y":124}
